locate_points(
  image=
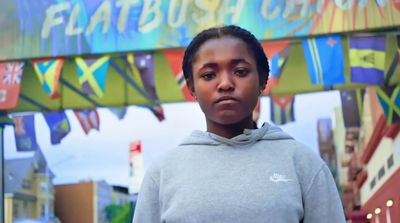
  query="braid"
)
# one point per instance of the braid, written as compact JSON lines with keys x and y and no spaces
{"x":217,"y":32}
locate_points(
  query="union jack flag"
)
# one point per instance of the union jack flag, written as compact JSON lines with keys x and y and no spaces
{"x":13,"y":73}
{"x":10,"y":81}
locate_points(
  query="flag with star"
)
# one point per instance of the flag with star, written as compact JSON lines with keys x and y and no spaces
{"x":24,"y":131}
{"x":324,"y":58}
{"x":58,"y":124}
{"x":282,"y":109}
{"x":48,"y":72}
{"x":352,"y":107}
{"x":367,"y":59}
{"x":10,"y":81}
{"x":92,"y":74}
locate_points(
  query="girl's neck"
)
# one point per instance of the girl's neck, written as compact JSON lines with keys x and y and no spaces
{"x":230,"y":130}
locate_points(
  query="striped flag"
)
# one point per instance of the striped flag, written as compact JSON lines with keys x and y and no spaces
{"x":58,"y":124}
{"x":48,"y":72}
{"x":282,"y":109}
{"x":175,"y":58}
{"x":92,"y":74}
{"x":367,"y":59}
{"x":10,"y":82}
{"x":324,"y":57}
{"x":25,"y":135}
{"x":89,"y":119}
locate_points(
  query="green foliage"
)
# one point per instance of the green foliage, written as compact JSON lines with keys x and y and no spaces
{"x":116,"y":213}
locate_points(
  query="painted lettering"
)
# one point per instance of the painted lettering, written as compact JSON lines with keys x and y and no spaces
{"x":209,"y":7}
{"x":181,"y":13}
{"x":125,"y":6}
{"x":270,"y":15}
{"x":227,"y":8}
{"x":71,"y":29}
{"x":153,"y":10}
{"x":51,"y":20}
{"x":291,"y":8}
{"x":102,"y":14}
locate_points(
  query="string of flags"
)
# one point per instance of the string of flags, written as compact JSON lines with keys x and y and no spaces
{"x":322,"y":55}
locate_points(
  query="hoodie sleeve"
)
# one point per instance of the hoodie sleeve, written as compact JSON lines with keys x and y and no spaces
{"x":147,"y":208}
{"x":322,"y":202}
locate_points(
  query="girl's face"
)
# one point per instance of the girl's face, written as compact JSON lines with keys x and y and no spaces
{"x":225,"y":81}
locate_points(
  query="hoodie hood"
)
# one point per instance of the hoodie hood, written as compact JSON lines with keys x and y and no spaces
{"x":249,"y":136}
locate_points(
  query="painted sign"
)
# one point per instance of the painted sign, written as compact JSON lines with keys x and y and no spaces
{"x":48,"y":28}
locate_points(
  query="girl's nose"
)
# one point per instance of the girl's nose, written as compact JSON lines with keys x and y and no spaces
{"x":226,"y":82}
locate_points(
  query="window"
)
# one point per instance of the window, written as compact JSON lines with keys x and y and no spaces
{"x":372,"y":184}
{"x":15,"y":210}
{"x":26,"y":184}
{"x":390,"y":161}
{"x":43,"y":210}
{"x":381,"y":172}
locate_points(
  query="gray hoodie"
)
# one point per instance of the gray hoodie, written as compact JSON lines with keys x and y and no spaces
{"x":262,"y":175}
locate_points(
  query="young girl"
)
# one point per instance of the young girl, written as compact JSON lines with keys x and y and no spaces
{"x":235,"y":172}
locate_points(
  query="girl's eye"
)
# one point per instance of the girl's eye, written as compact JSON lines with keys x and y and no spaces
{"x":241,"y":72}
{"x":207,"y":76}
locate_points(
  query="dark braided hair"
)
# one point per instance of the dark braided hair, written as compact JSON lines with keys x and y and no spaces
{"x":218,"y":32}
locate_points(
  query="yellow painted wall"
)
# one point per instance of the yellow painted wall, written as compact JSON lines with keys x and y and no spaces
{"x":339,"y":141}
{"x":8,"y":209}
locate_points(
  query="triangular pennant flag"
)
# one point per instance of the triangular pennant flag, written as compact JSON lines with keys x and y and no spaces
{"x":119,"y":112}
{"x":175,"y":58}
{"x":282,"y":108}
{"x":274,"y":47}
{"x":393,"y":66}
{"x":324,"y":57}
{"x":58,"y":124}
{"x":352,"y":105}
{"x":10,"y":81}
{"x":278,"y":62}
{"x":145,"y":65}
{"x":48,"y":72}
{"x":158,"y":111}
{"x":92,"y":74}
{"x":389,"y":99}
{"x":89,"y":119}
{"x":367,"y":59}
{"x":25,"y":135}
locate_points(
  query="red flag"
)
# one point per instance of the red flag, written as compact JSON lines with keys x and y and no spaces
{"x":272,"y":48}
{"x":175,"y":58}
{"x":10,"y":80}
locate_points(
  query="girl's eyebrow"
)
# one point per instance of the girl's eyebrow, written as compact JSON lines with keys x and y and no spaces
{"x":239,"y":60}
{"x":209,"y":65}
{"x":233,"y":62}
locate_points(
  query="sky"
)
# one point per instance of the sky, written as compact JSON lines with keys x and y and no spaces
{"x":104,"y":154}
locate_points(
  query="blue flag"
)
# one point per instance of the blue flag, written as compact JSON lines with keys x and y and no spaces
{"x":25,"y":135}
{"x":58,"y":124}
{"x":367,"y":59}
{"x":324,"y":57}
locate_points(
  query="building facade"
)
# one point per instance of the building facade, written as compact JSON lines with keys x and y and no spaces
{"x":369,"y":164}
